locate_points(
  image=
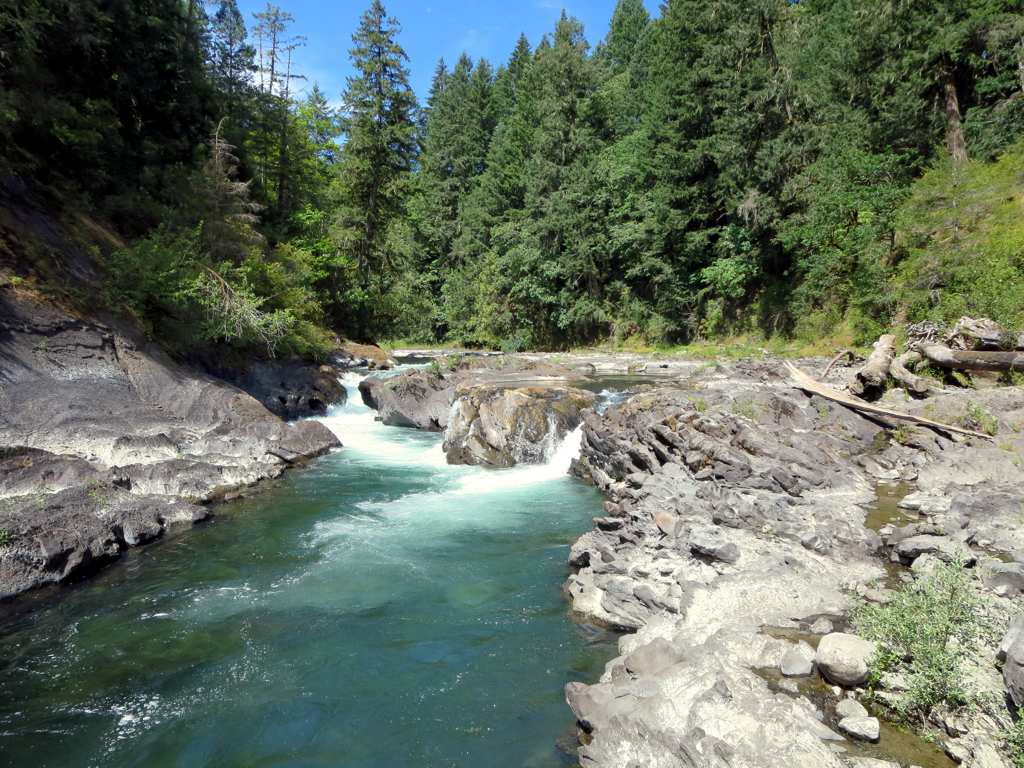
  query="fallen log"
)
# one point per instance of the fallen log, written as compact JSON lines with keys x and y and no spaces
{"x":870,"y":380}
{"x":900,"y":370}
{"x":970,"y":360}
{"x":807,"y":384}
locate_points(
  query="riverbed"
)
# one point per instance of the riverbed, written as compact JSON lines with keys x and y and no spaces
{"x":378,"y":608}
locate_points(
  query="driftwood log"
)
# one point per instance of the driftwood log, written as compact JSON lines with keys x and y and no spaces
{"x":900,"y":370}
{"x":871,"y":379}
{"x":971,"y":360}
{"x":807,"y":384}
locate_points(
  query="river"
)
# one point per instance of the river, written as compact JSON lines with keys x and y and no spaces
{"x":378,"y":608}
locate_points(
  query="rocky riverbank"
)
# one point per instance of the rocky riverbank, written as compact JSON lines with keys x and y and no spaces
{"x":735,"y":539}
{"x":105,"y":442}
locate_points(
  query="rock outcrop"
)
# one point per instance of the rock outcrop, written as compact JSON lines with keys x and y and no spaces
{"x":105,"y":442}
{"x":739,"y":509}
{"x":736,"y":505}
{"x":494,"y":410}
{"x":419,"y":398}
{"x":496,"y":426}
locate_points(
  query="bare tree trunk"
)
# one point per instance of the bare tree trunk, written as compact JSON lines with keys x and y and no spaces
{"x":955,"y":130}
{"x":970,"y":360}
{"x":870,"y":380}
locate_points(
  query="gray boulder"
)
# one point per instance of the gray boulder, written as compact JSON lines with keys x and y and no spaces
{"x":850,"y":708}
{"x":291,"y":389}
{"x":712,"y":543}
{"x":419,"y":399}
{"x":942,"y":547}
{"x":843,"y":659}
{"x":797,"y":662}
{"x":862,"y":728}
{"x":1005,"y":579}
{"x":1013,"y":669}
{"x":1013,"y":632}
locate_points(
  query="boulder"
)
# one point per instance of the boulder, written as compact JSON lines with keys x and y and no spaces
{"x":1013,"y":669}
{"x":1013,"y":633}
{"x":942,"y":547}
{"x":850,"y":708}
{"x":497,"y":426}
{"x":843,"y":659}
{"x":291,"y":389}
{"x":862,"y":728}
{"x":1005,"y":579}
{"x":419,"y":399}
{"x":797,"y":662}
{"x":650,"y":659}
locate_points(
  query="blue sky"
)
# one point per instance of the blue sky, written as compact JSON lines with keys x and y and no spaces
{"x":431,"y":29}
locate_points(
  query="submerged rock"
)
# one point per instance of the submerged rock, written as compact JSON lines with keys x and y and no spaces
{"x":496,"y":426}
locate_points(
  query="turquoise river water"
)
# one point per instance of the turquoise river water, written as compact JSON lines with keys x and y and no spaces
{"x":378,"y":608}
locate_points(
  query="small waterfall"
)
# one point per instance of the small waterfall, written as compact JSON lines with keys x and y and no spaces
{"x":357,"y":427}
{"x":551,"y":439}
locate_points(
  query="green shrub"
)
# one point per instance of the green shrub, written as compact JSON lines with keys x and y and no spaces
{"x":975,"y":417}
{"x":926,"y":631}
{"x":5,"y":537}
{"x":1014,"y":737}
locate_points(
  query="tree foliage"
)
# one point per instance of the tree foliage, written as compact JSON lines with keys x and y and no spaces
{"x":813,"y":168}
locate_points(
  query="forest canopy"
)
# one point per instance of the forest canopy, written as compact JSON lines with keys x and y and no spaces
{"x":811,"y":169}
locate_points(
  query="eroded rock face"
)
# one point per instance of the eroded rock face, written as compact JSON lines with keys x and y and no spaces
{"x":104,"y":442}
{"x":497,"y":426}
{"x":292,"y":389}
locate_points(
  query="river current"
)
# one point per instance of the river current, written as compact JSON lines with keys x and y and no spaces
{"x":378,"y":608}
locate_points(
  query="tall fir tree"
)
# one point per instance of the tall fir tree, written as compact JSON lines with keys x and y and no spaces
{"x":380,"y":150}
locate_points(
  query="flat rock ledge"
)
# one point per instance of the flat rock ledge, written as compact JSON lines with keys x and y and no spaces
{"x":105,"y":443}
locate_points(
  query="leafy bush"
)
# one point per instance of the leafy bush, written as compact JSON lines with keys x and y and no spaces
{"x":977,"y":418}
{"x":1014,"y":737}
{"x":926,"y":631}
{"x":5,"y":537}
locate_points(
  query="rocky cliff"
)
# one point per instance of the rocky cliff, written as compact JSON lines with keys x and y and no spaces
{"x":105,"y":441}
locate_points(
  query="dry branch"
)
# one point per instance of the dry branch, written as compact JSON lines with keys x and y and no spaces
{"x":832,"y":363}
{"x":872,"y":377}
{"x":807,"y":384}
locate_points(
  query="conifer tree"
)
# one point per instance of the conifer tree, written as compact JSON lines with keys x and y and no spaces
{"x":377,"y":159}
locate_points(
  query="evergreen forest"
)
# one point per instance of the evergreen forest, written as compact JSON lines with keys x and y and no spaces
{"x":796,"y":169}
